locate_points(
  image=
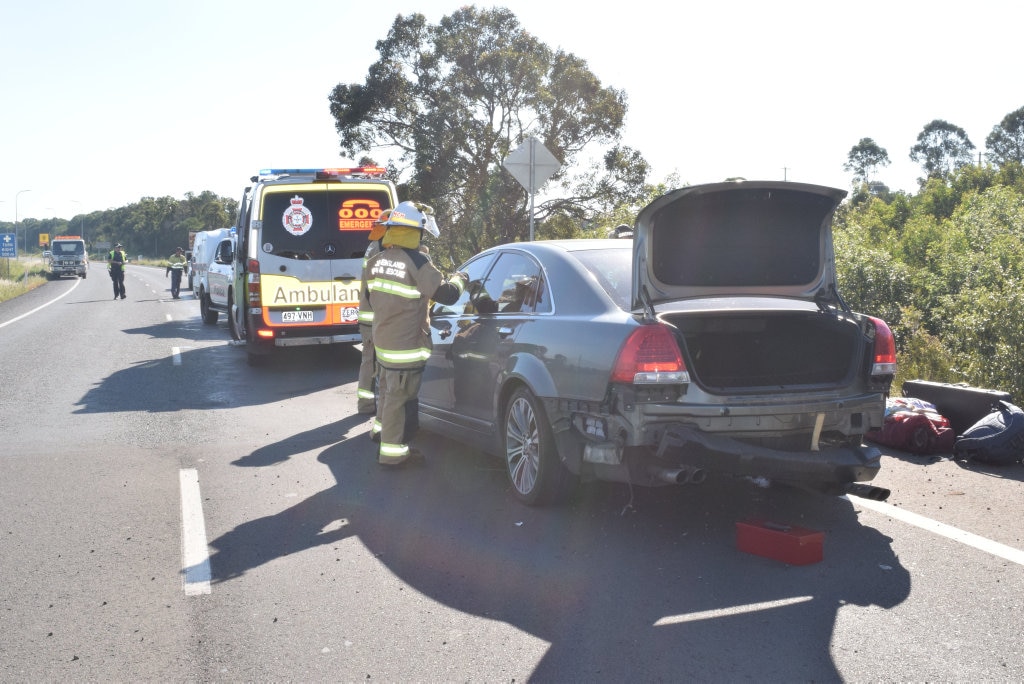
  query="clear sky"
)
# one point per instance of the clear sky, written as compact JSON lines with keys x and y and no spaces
{"x":105,"y":102}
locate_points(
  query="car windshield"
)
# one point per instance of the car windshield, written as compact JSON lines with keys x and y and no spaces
{"x":68,"y":248}
{"x":613,"y":270}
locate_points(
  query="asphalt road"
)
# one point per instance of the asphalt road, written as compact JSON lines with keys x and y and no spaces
{"x":168,"y":513}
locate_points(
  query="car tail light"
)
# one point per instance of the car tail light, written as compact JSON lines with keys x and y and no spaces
{"x":650,"y":356}
{"x":885,"y":349}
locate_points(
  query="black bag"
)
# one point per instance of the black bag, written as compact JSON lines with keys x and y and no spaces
{"x":997,"y":439}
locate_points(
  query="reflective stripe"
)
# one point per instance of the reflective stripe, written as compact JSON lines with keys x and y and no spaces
{"x":395,"y":288}
{"x":365,"y":316}
{"x":376,"y":427}
{"x":394,"y":450}
{"x":364,"y":393}
{"x":403,"y":356}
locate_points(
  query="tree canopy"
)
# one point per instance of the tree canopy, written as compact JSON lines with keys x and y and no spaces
{"x":941,"y":148}
{"x":1006,"y":141}
{"x":864,"y":158}
{"x":450,"y":101}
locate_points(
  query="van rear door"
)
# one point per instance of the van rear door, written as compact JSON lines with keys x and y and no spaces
{"x":314,"y":236}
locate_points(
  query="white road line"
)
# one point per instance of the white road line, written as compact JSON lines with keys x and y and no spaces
{"x":29,"y":313}
{"x":726,"y":612}
{"x":194,"y":551}
{"x":956,"y":534}
{"x":176,"y":356}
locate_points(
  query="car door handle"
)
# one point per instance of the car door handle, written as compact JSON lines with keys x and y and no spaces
{"x":504,"y":331}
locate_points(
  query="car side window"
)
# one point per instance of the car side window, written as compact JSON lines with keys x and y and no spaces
{"x":476,"y":270}
{"x":514,"y":285}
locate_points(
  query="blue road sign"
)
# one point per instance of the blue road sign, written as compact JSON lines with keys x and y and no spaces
{"x":8,"y":246}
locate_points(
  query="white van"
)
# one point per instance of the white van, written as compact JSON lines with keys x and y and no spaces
{"x":203,"y":250}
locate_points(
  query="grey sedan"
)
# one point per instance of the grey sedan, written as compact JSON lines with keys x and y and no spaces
{"x":714,"y":342}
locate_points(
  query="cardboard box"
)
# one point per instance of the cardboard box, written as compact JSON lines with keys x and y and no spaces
{"x":787,"y":543}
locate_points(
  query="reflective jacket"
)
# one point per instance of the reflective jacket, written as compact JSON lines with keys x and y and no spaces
{"x":115,"y":263}
{"x":176,"y":262}
{"x":365,"y":308}
{"x":401,"y":283}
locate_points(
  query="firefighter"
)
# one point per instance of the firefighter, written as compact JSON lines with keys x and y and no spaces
{"x":176,"y":267}
{"x":401,"y":281}
{"x":366,"y":401}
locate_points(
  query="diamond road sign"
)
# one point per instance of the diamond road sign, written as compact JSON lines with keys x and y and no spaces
{"x":531,"y":164}
{"x":8,"y":246}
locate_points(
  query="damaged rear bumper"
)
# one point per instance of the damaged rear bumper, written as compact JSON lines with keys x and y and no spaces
{"x":843,"y":465}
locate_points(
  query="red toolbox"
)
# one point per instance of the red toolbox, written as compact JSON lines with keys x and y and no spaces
{"x":787,"y":543}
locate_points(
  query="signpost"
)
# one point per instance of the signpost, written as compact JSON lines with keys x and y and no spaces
{"x":8,"y":249}
{"x":531,"y":164}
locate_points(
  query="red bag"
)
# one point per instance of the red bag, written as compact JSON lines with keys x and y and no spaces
{"x":916,"y":426}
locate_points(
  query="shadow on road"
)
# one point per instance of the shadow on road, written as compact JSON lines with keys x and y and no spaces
{"x":295,"y":372}
{"x":653,"y":592}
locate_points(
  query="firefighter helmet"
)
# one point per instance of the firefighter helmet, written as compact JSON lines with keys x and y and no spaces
{"x":411,"y":215}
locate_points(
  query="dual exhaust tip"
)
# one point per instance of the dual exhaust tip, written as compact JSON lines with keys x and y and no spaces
{"x":681,"y":475}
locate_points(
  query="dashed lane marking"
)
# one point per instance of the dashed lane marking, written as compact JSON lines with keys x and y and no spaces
{"x":195,"y":553}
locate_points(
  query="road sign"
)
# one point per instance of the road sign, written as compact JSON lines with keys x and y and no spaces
{"x":8,"y":246}
{"x":531,"y":164}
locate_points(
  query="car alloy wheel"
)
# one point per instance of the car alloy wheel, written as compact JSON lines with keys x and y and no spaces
{"x":537,"y":475}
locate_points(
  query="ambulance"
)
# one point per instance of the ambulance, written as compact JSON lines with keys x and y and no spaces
{"x":301,"y":235}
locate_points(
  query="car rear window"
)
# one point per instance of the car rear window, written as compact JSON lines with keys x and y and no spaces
{"x":613,"y":270}
{"x":319,"y":221}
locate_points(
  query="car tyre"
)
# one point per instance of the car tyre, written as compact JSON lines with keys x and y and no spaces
{"x":209,"y":315}
{"x":235,"y":320}
{"x":537,"y":475}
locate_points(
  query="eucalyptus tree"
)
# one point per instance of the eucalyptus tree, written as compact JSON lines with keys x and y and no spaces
{"x":448,"y":102}
{"x":941,"y":148}
{"x":864,"y":158}
{"x":1006,"y":141}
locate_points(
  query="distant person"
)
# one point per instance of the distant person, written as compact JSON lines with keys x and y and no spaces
{"x":176,"y":265}
{"x":115,"y":265}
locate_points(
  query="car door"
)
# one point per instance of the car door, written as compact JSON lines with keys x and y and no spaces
{"x":486,"y":332}
{"x":437,"y":389}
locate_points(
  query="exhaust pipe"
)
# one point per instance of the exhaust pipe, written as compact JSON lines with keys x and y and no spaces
{"x":868,"y":491}
{"x":681,"y":475}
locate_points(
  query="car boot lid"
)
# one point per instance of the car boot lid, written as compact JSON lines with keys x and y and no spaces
{"x":743,"y":238}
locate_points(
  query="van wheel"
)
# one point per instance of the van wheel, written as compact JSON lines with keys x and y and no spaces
{"x":235,"y":320}
{"x":209,"y":315}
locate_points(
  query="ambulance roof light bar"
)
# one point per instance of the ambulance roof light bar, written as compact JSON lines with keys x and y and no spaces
{"x":327,"y":173}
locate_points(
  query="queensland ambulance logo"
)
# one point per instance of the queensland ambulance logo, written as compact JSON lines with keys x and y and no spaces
{"x":297,"y":219}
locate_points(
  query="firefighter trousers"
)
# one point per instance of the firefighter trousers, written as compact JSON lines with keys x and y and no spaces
{"x":397,"y":419}
{"x":366,"y":402}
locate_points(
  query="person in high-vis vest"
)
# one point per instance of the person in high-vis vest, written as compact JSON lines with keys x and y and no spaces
{"x":401,"y":282}
{"x":366,"y":400}
{"x":176,"y":264}
{"x":115,"y":266}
